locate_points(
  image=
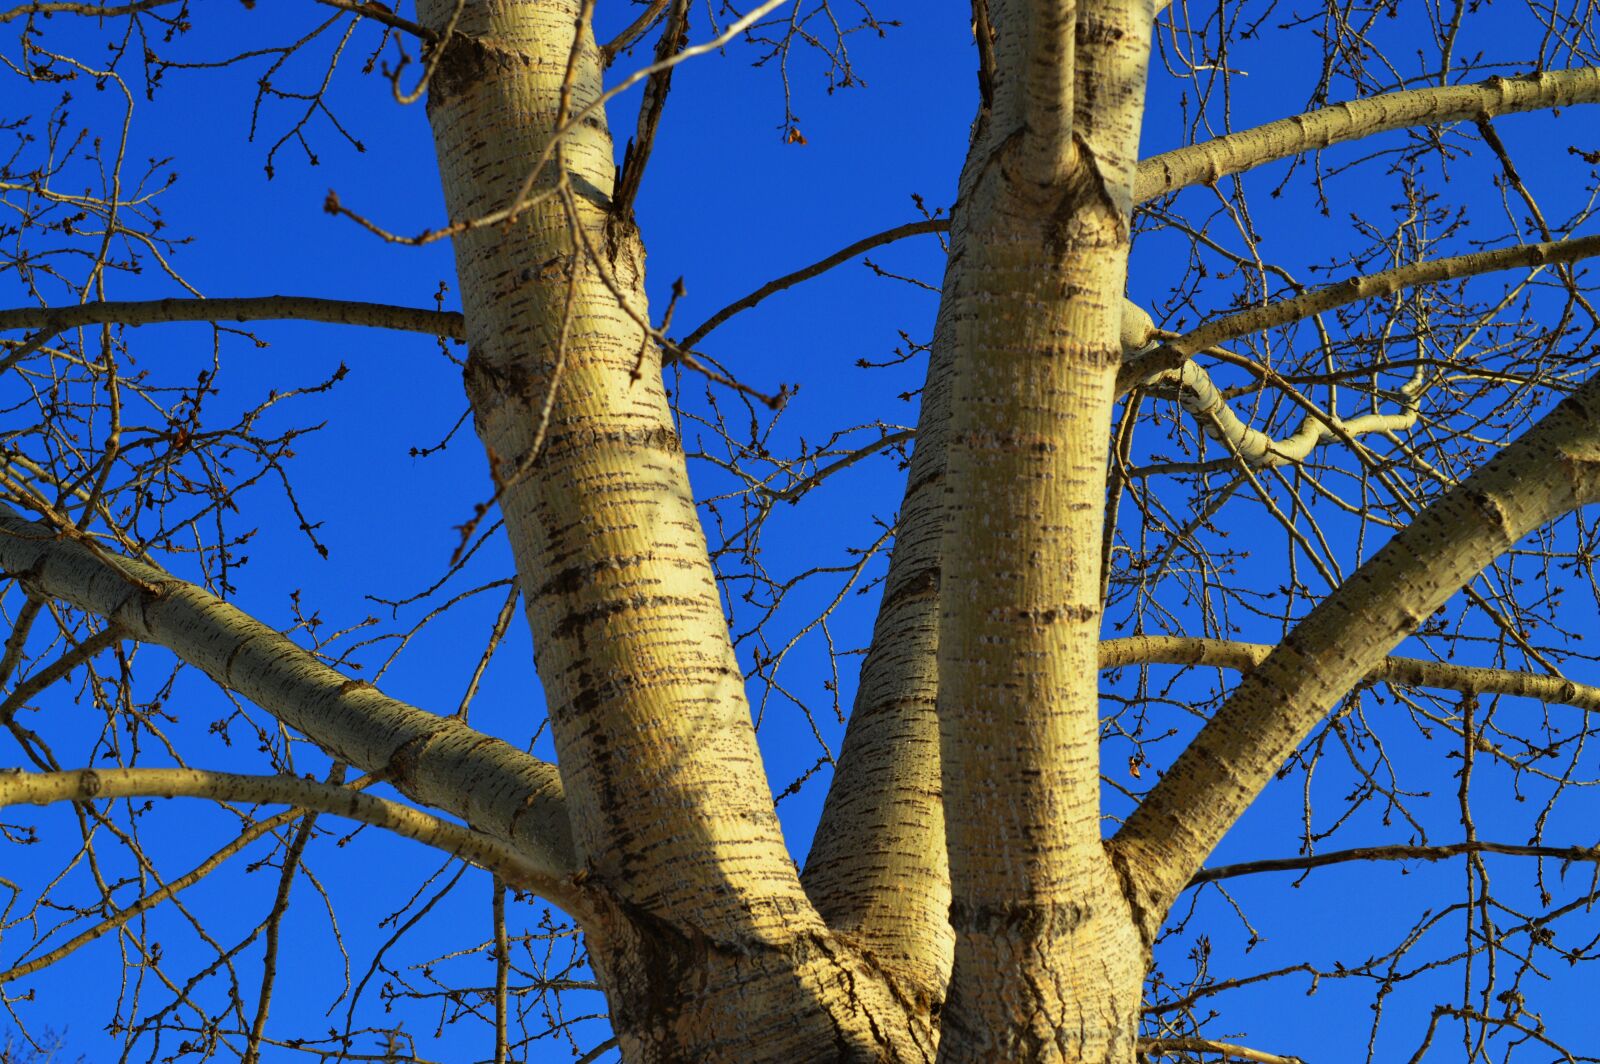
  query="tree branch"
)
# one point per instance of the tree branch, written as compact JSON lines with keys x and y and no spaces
{"x":1588,"y":854}
{"x":1211,"y":161}
{"x":1244,"y":150}
{"x":246,"y":308}
{"x":1035,"y":66}
{"x":636,"y":29}
{"x":439,"y":762}
{"x":149,"y":901}
{"x":1549,"y":471}
{"x":805,"y":273}
{"x":58,"y":669}
{"x":496,"y":855}
{"x":1173,"y":354}
{"x":637,"y":155}
{"x":1385,"y":283}
{"x":65,"y":7}
{"x":380,"y":13}
{"x":1409,"y":672}
{"x":1171,"y":1047}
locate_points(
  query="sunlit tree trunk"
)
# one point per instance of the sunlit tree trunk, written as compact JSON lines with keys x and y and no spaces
{"x":960,"y":903}
{"x":705,"y":909}
{"x":708,"y":948}
{"x":1048,"y":962}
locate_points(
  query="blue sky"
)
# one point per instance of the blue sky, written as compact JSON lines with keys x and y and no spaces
{"x":728,"y":203}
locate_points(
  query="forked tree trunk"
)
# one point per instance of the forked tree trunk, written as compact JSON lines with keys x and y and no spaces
{"x":707,"y":946}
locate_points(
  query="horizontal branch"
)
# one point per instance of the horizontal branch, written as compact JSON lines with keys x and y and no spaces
{"x":44,"y":788}
{"x":1172,"y":354}
{"x":1172,"y":1047}
{"x":1589,"y":854}
{"x":246,"y":308}
{"x":1409,"y":672}
{"x":860,"y":247}
{"x":436,"y":761}
{"x":1209,"y":162}
{"x":66,"y":7}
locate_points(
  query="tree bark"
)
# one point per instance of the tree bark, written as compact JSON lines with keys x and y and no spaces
{"x":437,"y":761}
{"x":706,"y":944}
{"x":1048,"y":962}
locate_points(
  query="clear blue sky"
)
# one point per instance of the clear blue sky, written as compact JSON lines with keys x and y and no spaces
{"x":728,"y":203}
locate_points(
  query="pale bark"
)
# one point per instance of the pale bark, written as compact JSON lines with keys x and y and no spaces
{"x":1048,"y":962}
{"x":882,"y":824}
{"x":439,"y":762}
{"x":44,"y":788}
{"x":708,"y":947}
{"x":877,"y":867}
{"x":1215,"y":159}
{"x":980,"y":689}
{"x":1407,"y":672}
{"x":1551,"y":470}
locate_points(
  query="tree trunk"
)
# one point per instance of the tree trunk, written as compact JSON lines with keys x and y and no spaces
{"x":707,"y":946}
{"x":705,"y":943}
{"x":1049,"y":959}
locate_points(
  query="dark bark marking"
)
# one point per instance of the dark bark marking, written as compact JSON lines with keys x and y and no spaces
{"x":466,"y":62}
{"x":1037,"y":922}
{"x":578,"y":620}
{"x":921,"y":583}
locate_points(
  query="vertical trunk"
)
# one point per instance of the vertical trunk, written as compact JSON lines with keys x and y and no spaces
{"x":706,"y":944}
{"x":877,"y":867}
{"x":1049,"y":960}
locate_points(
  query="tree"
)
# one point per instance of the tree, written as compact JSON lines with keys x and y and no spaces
{"x":984,"y":883}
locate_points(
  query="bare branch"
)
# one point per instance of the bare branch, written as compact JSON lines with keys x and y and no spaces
{"x":1551,"y":470}
{"x":1409,"y":672}
{"x":788,"y":280}
{"x":636,"y":29}
{"x":60,"y":668}
{"x":1585,"y":854}
{"x":381,"y":13}
{"x":1171,"y":1047}
{"x":1211,"y":161}
{"x":437,"y":761}
{"x":43,"y":788}
{"x":247,"y":308}
{"x":65,"y":7}
{"x":149,"y":901}
{"x":631,"y":174}
{"x":1174,"y":352}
